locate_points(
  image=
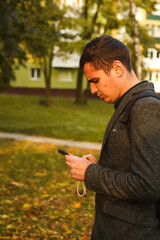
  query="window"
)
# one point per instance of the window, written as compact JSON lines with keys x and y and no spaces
{"x":65,"y":75}
{"x":157,"y":31}
{"x":71,"y":2}
{"x":148,"y":76}
{"x":154,"y":30}
{"x":150,"y":29}
{"x":155,"y":76}
{"x":35,"y":73}
{"x":150,"y":54}
{"x":153,"y":53}
{"x":158,"y":54}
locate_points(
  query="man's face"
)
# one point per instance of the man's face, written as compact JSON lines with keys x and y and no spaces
{"x":105,"y":85}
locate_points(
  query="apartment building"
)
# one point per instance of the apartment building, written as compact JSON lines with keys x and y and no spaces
{"x":64,"y":72}
{"x":152,"y":60}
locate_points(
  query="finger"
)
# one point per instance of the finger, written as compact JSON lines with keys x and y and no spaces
{"x":68,"y":157}
{"x":68,"y":163}
{"x":73,"y":174}
{"x":86,"y":156}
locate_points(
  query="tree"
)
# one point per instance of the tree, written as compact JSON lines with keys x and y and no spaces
{"x":43,"y":36}
{"x":138,"y":37}
{"x":97,"y":17}
{"x":11,"y":37}
{"x":29,"y":26}
{"x":48,"y":35}
{"x":136,"y":40}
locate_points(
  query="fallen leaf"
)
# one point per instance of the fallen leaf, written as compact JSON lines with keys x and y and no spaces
{"x":17,"y":184}
{"x":26,"y":205}
{"x":76,"y":205}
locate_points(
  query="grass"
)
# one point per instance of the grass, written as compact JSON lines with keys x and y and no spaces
{"x":38,"y":198}
{"x":64,"y":119}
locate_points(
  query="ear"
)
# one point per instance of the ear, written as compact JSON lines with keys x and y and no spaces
{"x":118,"y":68}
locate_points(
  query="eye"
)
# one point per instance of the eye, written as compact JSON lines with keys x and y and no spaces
{"x":93,"y":80}
{"x":96,"y":81}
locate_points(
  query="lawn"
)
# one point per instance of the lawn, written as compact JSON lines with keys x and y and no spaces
{"x":64,"y":119}
{"x":38,"y":197}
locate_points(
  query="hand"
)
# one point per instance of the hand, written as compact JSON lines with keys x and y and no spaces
{"x":91,"y":158}
{"x":77,"y":166}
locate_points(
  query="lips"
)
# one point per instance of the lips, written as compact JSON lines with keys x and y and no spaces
{"x":100,"y":96}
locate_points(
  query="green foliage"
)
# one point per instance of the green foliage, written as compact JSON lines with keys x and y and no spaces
{"x":134,"y":29}
{"x":109,"y":13}
{"x":42,"y":41}
{"x":38,"y":197}
{"x":28,"y":26}
{"x":11,"y":35}
{"x":97,"y":17}
{"x":62,"y":120}
{"x":44,"y":32}
{"x":148,"y":5}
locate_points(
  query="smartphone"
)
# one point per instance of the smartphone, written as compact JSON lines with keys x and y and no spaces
{"x":63,"y":152}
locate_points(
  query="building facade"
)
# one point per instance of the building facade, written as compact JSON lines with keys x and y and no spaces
{"x":64,"y":74}
{"x":152,"y":60}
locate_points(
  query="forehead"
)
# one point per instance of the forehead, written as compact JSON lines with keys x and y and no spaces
{"x":91,"y":72}
{"x":88,"y":67}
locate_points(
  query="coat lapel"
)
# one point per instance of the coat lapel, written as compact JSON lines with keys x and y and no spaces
{"x":121,"y":107}
{"x":115,"y":116}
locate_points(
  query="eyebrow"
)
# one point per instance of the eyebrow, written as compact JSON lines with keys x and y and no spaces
{"x":92,"y":80}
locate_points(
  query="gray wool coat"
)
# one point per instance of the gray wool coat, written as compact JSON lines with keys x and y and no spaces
{"x":127,"y":178}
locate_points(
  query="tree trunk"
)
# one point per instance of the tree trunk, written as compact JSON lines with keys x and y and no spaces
{"x":136,"y":41}
{"x":82,"y":96}
{"x":86,"y":94}
{"x":47,"y":76}
{"x":79,"y":90}
{"x":48,"y":94}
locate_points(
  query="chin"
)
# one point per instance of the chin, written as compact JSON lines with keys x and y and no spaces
{"x":107,"y":100}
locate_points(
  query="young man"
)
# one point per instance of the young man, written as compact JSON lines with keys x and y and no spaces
{"x":126,"y":178}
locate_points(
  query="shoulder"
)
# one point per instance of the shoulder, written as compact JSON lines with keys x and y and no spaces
{"x":146,"y":104}
{"x":146,"y":110}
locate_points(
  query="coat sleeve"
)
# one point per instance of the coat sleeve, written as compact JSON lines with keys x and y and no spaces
{"x":143,"y":181}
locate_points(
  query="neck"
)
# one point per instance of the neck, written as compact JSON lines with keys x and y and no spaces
{"x":130,"y":80}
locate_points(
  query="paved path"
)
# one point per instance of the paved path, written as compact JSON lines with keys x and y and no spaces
{"x":22,"y":137}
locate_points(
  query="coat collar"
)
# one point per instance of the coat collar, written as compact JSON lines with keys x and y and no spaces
{"x":127,"y":97}
{"x":116,"y":104}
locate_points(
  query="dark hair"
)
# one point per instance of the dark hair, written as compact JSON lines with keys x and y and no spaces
{"x":102,"y":51}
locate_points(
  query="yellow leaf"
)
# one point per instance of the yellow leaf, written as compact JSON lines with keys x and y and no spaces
{"x":45,"y":195}
{"x":76,"y":205}
{"x":17,"y":184}
{"x":68,"y":231}
{"x":10,"y":226}
{"x":26,"y":205}
{"x":40,"y":174}
{"x":4,"y":216}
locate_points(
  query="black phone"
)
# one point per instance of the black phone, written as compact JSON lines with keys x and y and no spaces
{"x":63,"y":152}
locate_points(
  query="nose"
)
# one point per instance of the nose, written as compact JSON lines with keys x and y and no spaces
{"x":93,"y":88}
